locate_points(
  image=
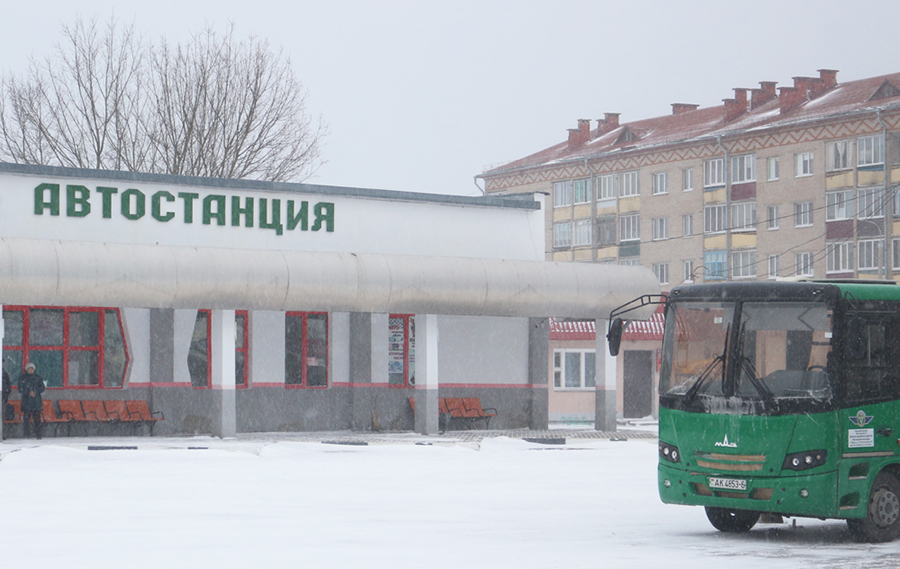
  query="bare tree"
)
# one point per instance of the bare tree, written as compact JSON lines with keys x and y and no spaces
{"x":79,"y":107}
{"x":213,"y":106}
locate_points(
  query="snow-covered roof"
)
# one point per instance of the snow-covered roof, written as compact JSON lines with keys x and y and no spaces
{"x":810,"y":100}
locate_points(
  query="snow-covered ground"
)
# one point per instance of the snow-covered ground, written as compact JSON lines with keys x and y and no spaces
{"x":264,"y":502}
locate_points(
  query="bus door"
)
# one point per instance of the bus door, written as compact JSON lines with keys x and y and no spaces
{"x":871,"y":379}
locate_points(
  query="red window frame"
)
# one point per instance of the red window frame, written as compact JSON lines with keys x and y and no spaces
{"x":406,"y":345}
{"x":26,"y":348}
{"x":241,"y":382}
{"x":304,"y":352}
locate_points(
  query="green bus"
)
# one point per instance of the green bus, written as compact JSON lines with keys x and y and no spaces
{"x":782,"y":399}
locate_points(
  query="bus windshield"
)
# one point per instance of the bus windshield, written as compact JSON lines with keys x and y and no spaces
{"x":750,"y":357}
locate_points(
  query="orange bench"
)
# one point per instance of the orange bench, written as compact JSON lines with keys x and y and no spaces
{"x":466,"y":409}
{"x":17,"y":412}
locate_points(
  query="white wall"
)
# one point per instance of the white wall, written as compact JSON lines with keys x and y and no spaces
{"x":266,"y":347}
{"x":136,"y":327}
{"x":361,"y":224}
{"x":480,"y":349}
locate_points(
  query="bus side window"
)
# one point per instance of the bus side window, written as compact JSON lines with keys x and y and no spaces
{"x":872,"y":360}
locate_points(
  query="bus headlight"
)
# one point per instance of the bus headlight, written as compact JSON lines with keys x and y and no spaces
{"x":669,"y":452}
{"x":804,"y":460}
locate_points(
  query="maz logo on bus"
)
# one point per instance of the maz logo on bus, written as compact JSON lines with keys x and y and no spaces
{"x":725,"y":443}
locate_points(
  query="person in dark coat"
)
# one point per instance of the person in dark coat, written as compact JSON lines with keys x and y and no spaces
{"x":8,"y":411}
{"x":31,"y":385}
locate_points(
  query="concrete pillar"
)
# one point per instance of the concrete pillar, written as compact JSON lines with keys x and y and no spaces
{"x":223,"y":337}
{"x":360,"y":348}
{"x":426,"y":368}
{"x":538,"y":364}
{"x":605,"y":401}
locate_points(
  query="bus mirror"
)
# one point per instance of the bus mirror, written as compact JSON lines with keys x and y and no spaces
{"x":614,"y":336}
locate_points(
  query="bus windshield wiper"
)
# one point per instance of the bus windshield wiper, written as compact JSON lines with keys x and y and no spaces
{"x":708,"y":370}
{"x":747,"y":367}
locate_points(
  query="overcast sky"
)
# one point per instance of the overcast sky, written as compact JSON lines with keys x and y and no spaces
{"x":421,"y":96}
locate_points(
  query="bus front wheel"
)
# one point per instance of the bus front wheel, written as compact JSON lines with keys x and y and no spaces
{"x":882,"y":521}
{"x":732,"y":521}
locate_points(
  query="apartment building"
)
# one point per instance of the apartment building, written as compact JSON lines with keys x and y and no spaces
{"x":796,"y":181}
{"x":775,"y":182}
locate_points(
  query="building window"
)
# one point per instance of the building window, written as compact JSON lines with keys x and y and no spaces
{"x":241,"y":348}
{"x":838,"y":156}
{"x":839,"y":257}
{"x":306,"y":349}
{"x":743,"y":216}
{"x":632,"y":262}
{"x":870,"y":203}
{"x":660,"y":183}
{"x":839,"y":205}
{"x":714,"y":264}
{"x":574,"y":369}
{"x":660,"y":228}
{"x":687,"y":225}
{"x":803,"y":214}
{"x":772,"y":213}
{"x":628,"y":184}
{"x":714,"y":219}
{"x":630,"y":227}
{"x":582,"y":190}
{"x":743,"y":168}
{"x":895,"y":249}
{"x":607,"y":187}
{"x":661,"y":270}
{"x":687,"y":180}
{"x":582,"y":232}
{"x":774,"y":265}
{"x":562,"y":235}
{"x":772,"y":168}
{"x":687,"y":271}
{"x":870,"y":254}
{"x":714,"y":172}
{"x":199,"y":364}
{"x":743,"y":264}
{"x":562,"y":194}
{"x":401,"y":350}
{"x":870,"y":151}
{"x":803,"y":264}
{"x":606,"y":231}
{"x":804,"y":163}
{"x":70,"y":347}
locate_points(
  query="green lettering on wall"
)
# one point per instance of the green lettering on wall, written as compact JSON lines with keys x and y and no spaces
{"x":276,"y":215}
{"x":218,"y":214}
{"x":40,"y":204}
{"x":324,"y":214}
{"x":140,"y":204}
{"x":77,"y":201}
{"x":107,"y":194}
{"x":188,"y":205}
{"x":156,"y":206}
{"x":237,"y":211}
{"x":302,"y":216}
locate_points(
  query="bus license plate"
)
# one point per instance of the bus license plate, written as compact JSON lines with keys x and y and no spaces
{"x":727,"y":484}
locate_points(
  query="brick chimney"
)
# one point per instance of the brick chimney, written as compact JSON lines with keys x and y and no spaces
{"x":681,"y":108}
{"x":737,"y":106}
{"x":829,"y":77}
{"x":580,"y":135}
{"x":761,"y":96}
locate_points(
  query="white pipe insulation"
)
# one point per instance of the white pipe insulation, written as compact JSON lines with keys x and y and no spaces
{"x":67,"y":273}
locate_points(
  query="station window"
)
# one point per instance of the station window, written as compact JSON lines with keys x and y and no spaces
{"x":402,"y":350}
{"x":306,"y":349}
{"x":574,"y":369}
{"x":71,"y":347}
{"x":199,"y":363}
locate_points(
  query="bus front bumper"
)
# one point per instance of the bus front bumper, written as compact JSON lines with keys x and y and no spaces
{"x":813,"y":495}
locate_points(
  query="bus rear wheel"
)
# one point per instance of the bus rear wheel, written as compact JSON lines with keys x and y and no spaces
{"x":732,"y":521}
{"x":882,"y":521}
